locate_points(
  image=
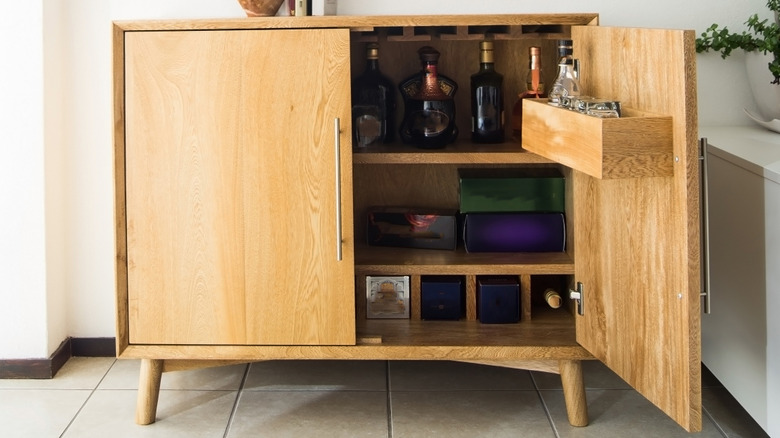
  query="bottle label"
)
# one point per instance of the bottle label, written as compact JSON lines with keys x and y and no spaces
{"x":429,"y":122}
{"x":367,"y":124}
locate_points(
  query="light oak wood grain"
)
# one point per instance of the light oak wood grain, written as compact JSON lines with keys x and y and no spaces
{"x":222,"y":219}
{"x":367,"y":23}
{"x":148,"y":391}
{"x":637,"y":240}
{"x":635,"y":145}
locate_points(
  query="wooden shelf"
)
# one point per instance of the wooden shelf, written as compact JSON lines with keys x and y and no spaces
{"x":404,"y":261}
{"x":461,"y":152}
{"x":549,"y":328}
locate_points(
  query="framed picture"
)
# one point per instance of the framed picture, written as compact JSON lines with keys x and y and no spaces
{"x":387,"y":297}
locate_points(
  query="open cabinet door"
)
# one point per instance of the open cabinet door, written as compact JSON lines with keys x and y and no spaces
{"x":637,"y":240}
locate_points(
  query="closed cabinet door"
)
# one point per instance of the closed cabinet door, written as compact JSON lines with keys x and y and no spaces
{"x":238,"y":188}
{"x":637,"y":239}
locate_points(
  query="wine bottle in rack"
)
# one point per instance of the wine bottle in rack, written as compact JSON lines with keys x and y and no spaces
{"x":552,"y":298}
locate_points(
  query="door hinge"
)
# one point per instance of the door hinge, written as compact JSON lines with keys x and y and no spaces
{"x":577,"y":295}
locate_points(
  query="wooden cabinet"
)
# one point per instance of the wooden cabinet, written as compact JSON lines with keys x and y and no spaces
{"x":740,"y":332}
{"x":241,"y":206}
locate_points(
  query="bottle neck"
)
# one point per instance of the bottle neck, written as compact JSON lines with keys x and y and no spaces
{"x":372,"y":64}
{"x":487,"y":66}
{"x":566,"y":69}
{"x":430,"y":87}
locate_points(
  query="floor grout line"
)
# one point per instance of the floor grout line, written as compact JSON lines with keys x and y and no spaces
{"x":91,"y":393}
{"x":544,"y":406}
{"x":717,"y":425}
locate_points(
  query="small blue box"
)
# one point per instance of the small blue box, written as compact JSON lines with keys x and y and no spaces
{"x":498,"y":300}
{"x":441,"y":297}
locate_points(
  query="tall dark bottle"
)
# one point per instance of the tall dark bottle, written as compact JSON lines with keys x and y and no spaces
{"x":429,"y":109}
{"x":487,"y":99}
{"x":373,"y":103}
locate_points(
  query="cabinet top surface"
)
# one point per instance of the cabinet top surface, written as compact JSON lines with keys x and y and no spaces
{"x":750,"y":147}
{"x":360,"y":22}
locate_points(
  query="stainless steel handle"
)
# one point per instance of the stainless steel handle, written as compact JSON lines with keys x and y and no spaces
{"x":339,"y":249}
{"x":706,"y":292}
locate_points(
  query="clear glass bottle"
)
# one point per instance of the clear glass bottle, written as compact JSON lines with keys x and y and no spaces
{"x":567,"y":83}
{"x":487,"y":99}
{"x":429,"y":113}
{"x":534,"y":89}
{"x":373,"y":103}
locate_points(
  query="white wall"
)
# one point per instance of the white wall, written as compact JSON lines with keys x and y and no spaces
{"x":56,"y":232}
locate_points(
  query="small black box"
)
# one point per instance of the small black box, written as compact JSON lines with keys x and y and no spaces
{"x":441,"y":297}
{"x":498,"y":300}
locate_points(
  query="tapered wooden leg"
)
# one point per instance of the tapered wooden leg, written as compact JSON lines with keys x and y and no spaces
{"x":148,"y":391}
{"x":574,"y":392}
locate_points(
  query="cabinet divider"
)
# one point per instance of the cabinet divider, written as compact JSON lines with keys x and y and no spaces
{"x":471,"y":297}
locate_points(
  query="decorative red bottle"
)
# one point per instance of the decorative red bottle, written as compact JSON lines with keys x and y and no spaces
{"x":429,"y":113}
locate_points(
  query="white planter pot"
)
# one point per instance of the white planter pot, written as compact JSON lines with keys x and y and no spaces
{"x":765,"y":94}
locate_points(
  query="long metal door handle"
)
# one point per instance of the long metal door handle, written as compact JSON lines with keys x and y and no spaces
{"x":706,"y":292}
{"x":339,"y":249}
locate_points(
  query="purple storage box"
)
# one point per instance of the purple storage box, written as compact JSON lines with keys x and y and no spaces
{"x":514,"y":232}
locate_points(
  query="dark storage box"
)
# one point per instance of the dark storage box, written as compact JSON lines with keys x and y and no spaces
{"x":514,"y":232}
{"x":511,"y":190}
{"x":412,"y":228}
{"x":498,"y":300}
{"x":441,"y":297}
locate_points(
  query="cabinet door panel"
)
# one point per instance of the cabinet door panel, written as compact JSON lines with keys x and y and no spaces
{"x":231,"y":187}
{"x":637,"y":240}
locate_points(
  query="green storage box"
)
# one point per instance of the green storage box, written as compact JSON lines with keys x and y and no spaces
{"x":511,"y":190}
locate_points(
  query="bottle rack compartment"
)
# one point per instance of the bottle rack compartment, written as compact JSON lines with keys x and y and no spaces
{"x":462,"y":33}
{"x":532,"y":301}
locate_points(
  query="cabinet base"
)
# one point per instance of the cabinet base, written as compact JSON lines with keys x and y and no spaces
{"x":570,"y":371}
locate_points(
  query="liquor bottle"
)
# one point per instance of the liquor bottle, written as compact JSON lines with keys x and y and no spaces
{"x":487,"y":99}
{"x":534,"y":89}
{"x":429,"y":107}
{"x":373,"y":103}
{"x":567,"y":84}
{"x":552,"y":298}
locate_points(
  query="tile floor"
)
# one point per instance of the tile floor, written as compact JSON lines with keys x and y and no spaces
{"x":95,"y":397}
